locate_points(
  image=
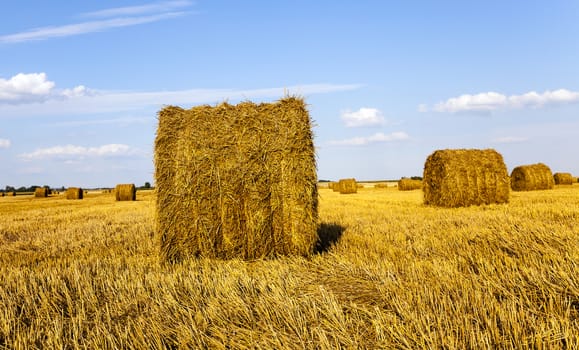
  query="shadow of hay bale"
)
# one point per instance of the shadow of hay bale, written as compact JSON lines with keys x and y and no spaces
{"x":328,"y":235}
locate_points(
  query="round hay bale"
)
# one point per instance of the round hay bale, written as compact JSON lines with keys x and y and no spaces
{"x":563,"y":178}
{"x":74,"y":193}
{"x":532,"y":177}
{"x":236,"y":181}
{"x":41,"y":192}
{"x":125,"y":192}
{"x":347,"y":186}
{"x":381,"y":185}
{"x":406,"y":184}
{"x":464,"y":177}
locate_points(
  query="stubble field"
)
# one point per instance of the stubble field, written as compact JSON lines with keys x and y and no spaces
{"x":389,"y":273}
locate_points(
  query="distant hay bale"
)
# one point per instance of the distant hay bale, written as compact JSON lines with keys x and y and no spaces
{"x":336,"y":186}
{"x":406,"y":184}
{"x":563,"y":178}
{"x":236,"y":181}
{"x":41,"y":192}
{"x":532,"y":177}
{"x":125,"y":192}
{"x":74,"y":193}
{"x":347,"y":186}
{"x":464,"y":177}
{"x":381,"y":185}
{"x":359,"y":185}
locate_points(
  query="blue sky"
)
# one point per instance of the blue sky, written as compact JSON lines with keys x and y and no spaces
{"x":387,"y":82}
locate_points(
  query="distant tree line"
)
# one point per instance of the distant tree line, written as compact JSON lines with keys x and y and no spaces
{"x":146,"y":186}
{"x":26,"y":189}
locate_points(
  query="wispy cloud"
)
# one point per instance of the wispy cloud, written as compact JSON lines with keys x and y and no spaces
{"x":112,"y":18}
{"x":165,"y":6}
{"x":123,"y":121}
{"x":364,"y":117}
{"x":509,"y":139}
{"x":5,"y":143}
{"x":93,"y":101}
{"x":376,"y":138}
{"x":487,"y":102}
{"x":68,"y":152}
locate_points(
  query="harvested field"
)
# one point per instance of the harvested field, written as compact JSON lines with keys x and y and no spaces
{"x":85,"y":274}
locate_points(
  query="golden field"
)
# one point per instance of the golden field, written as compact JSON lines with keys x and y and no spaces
{"x":390,"y":273}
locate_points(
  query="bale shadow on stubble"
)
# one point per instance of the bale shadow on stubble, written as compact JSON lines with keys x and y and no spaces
{"x":328,"y":235}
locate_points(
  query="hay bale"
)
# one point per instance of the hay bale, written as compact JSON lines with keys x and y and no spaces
{"x":336,"y":186}
{"x":563,"y":178}
{"x":464,"y":177}
{"x":74,"y":193}
{"x":406,"y":184}
{"x":125,"y":192}
{"x":236,"y":181}
{"x":381,"y":185}
{"x":532,"y":177}
{"x":41,"y":192}
{"x":347,"y":186}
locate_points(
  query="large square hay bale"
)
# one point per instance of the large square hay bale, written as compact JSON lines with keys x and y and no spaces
{"x":532,"y":177}
{"x":236,"y":181}
{"x":74,"y":193}
{"x":406,"y":184}
{"x":563,"y":178}
{"x":347,"y":186}
{"x":464,"y":177}
{"x":41,"y":192}
{"x":125,"y":192}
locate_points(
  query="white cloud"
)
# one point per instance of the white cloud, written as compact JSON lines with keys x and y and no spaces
{"x":490,"y":101}
{"x":113,"y":18}
{"x":32,"y":88}
{"x":510,"y":139}
{"x":376,"y":138}
{"x":363,"y":117}
{"x":79,"y":152}
{"x":5,"y":143}
{"x":483,"y":102}
{"x":106,"y":101}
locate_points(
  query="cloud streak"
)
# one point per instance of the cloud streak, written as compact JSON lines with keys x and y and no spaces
{"x":80,"y":152}
{"x":376,"y":138}
{"x":111,"y":18}
{"x":509,"y":139}
{"x":487,"y":102}
{"x":92,"y":101}
{"x":166,"y":6}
